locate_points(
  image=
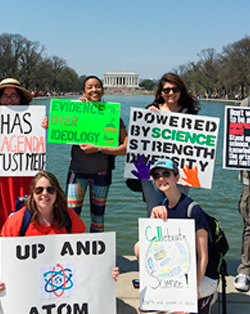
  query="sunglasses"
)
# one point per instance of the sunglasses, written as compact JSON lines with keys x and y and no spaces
{"x":173,"y":89}
{"x":39,"y":189}
{"x":164,"y":174}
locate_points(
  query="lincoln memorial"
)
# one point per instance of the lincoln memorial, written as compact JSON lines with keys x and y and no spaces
{"x":121,"y":79}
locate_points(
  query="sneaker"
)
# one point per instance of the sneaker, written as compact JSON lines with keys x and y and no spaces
{"x":242,"y":282}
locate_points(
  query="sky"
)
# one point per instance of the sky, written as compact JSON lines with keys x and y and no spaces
{"x":150,"y":37}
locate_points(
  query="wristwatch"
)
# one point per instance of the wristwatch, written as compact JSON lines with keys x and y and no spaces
{"x":99,"y":150}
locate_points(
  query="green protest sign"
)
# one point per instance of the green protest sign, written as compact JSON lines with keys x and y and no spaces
{"x":83,"y":122}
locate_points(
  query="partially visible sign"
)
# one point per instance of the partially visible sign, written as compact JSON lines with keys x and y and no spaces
{"x":83,"y":122}
{"x":22,"y":140}
{"x":189,"y":140}
{"x":236,"y":138}
{"x":167,"y":265}
{"x":59,"y":274}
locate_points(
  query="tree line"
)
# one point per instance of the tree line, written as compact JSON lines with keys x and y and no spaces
{"x":27,"y":61}
{"x":223,"y":74}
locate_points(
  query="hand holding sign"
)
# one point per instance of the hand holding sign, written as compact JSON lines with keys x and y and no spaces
{"x":115,"y":273}
{"x":191,"y":176}
{"x":88,"y":148}
{"x":45,"y":123}
{"x":142,"y":172}
{"x":2,"y":286}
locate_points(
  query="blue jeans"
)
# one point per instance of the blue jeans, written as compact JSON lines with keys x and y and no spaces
{"x":155,"y":197}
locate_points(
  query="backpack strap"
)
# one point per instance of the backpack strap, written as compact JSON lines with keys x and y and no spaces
{"x":189,"y":215}
{"x":20,"y":201}
{"x":25,"y":223}
{"x":164,"y":201}
{"x":190,"y":208}
{"x":68,"y":224}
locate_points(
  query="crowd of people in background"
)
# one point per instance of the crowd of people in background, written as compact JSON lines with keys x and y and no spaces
{"x":52,"y":94}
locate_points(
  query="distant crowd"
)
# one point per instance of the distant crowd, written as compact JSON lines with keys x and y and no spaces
{"x":218,"y":96}
{"x":52,"y":94}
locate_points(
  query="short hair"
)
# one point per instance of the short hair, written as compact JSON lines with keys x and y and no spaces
{"x":91,"y":77}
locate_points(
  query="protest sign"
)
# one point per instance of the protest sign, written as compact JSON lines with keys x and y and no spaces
{"x":59,"y":274}
{"x":167,"y":265}
{"x":22,"y":140}
{"x":189,"y":140}
{"x":236,"y":153}
{"x":83,"y":122}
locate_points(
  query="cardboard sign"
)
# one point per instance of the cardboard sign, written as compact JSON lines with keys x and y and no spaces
{"x":83,"y":122}
{"x":189,"y":140}
{"x":236,"y":138}
{"x":59,"y":274}
{"x":22,"y":140}
{"x":167,"y":265}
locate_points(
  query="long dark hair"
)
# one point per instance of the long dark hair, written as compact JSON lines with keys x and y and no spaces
{"x":23,"y":100}
{"x":186,"y":100}
{"x":60,"y":205}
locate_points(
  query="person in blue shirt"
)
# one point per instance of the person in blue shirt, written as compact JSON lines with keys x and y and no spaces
{"x":166,"y":175}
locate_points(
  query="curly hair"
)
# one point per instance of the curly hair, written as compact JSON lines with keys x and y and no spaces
{"x":60,"y":205}
{"x":186,"y":100}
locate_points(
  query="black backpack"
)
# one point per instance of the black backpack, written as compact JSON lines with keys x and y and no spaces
{"x":20,"y":202}
{"x":218,"y":243}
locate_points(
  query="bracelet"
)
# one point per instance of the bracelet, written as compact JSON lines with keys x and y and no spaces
{"x":99,"y":150}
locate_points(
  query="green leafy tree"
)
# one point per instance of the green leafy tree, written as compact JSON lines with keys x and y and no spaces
{"x":235,"y":59}
{"x":148,"y":84}
{"x":26,"y":61}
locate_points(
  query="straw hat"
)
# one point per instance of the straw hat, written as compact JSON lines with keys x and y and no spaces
{"x":11,"y":82}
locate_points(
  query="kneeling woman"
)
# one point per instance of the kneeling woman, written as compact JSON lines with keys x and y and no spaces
{"x":166,"y":175}
{"x":47,"y":207}
{"x":48,"y":212}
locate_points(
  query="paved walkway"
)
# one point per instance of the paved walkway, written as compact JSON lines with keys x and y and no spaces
{"x":128,"y":296}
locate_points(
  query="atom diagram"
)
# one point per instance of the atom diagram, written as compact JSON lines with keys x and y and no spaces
{"x":57,"y":281}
